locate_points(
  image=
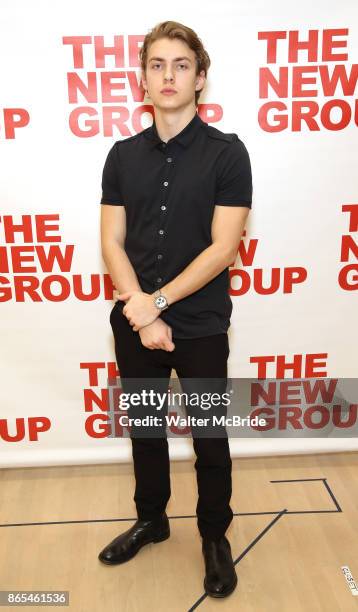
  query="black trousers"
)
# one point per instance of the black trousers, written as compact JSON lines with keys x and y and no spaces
{"x":195,"y":358}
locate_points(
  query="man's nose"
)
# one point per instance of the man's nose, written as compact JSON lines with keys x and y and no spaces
{"x":168,"y":76}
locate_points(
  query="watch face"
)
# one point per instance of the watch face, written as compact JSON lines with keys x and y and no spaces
{"x":160,"y":301}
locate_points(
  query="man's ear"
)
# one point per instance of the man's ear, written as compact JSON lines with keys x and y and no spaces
{"x":200,"y":79}
{"x":143,"y":79}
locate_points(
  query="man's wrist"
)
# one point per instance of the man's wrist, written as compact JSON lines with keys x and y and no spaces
{"x":160,"y":300}
{"x":169,"y":291}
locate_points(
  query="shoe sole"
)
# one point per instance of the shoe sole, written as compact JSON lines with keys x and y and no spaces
{"x":220,"y":595}
{"x":159,"y":538}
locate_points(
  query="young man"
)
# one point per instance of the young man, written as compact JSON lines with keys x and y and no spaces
{"x":174,"y":204}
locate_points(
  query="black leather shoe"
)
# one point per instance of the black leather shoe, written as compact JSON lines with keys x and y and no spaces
{"x":127,"y":544}
{"x":220,"y":579}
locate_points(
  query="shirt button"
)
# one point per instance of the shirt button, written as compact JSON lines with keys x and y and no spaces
{"x":165,"y":183}
{"x":163,"y":207}
{"x":169,"y":159}
{"x":161,"y":232}
{"x":159,"y":256}
{"x":159,"y":279}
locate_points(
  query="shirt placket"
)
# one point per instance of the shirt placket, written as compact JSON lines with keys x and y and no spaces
{"x":163,"y":202}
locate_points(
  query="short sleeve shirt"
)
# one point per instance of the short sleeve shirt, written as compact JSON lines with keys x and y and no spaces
{"x":169,"y":191}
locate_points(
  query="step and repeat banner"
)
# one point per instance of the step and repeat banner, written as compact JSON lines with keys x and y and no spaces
{"x":284,"y":79}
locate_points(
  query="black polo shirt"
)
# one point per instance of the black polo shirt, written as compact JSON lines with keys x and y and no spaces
{"x":169,"y":191}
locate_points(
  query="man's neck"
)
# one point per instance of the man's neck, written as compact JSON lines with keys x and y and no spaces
{"x":169,"y":124}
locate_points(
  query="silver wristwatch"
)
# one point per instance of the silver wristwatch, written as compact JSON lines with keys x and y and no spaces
{"x":161,"y":301}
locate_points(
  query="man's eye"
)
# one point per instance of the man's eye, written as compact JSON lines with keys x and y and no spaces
{"x":181,"y":65}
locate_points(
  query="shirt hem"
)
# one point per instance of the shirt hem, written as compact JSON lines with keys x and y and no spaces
{"x":202,"y":335}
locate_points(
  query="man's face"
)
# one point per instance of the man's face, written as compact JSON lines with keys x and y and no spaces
{"x":171,"y":64}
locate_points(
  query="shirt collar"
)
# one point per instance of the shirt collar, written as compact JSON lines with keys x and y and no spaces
{"x":185,"y":137}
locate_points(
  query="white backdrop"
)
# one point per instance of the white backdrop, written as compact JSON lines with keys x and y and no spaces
{"x":53,"y":147}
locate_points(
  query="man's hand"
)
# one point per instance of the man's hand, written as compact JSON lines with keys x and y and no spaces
{"x":140,"y":309}
{"x":157,"y":335}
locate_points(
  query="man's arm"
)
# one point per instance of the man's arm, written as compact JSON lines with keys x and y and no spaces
{"x":226,"y":230}
{"x":113,"y":233}
{"x":158,"y":335}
